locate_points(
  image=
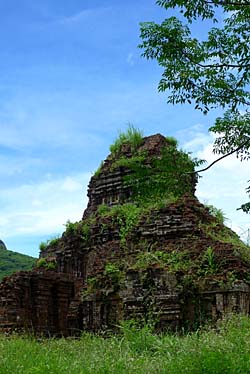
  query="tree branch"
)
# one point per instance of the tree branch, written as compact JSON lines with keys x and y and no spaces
{"x":228,"y":3}
{"x":224,"y":156}
{"x":215,"y":65}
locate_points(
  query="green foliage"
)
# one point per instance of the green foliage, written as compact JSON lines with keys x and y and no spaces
{"x":113,"y":272}
{"x":11,"y":262}
{"x":92,"y":284}
{"x":127,"y":216}
{"x":217,"y":213}
{"x":129,"y":163}
{"x":225,"y":235}
{"x":172,"y":174}
{"x":172,"y":141}
{"x":136,"y":350}
{"x":209,"y":263}
{"x":85,"y":231}
{"x":103,"y":210}
{"x":132,"y":136}
{"x":71,"y":228}
{"x":41,"y":262}
{"x":209,"y":73}
{"x":81,"y":229}
{"x":52,"y":241}
{"x":46,"y":262}
{"x":173,"y":260}
{"x":139,"y":336}
{"x":43,"y":246}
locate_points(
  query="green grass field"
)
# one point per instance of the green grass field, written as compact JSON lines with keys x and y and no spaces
{"x":226,"y":350}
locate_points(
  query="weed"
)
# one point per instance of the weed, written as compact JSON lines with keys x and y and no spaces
{"x":132,"y":136}
{"x":217,"y":213}
{"x":225,"y":235}
{"x":43,"y":246}
{"x":52,"y":242}
{"x":103,"y":210}
{"x":71,"y":228}
{"x":127,"y":217}
{"x":174,"y":260}
{"x":209,"y":264}
{"x":85,"y":231}
{"x":46,"y":262}
{"x":172,"y":141}
{"x":129,"y":163}
{"x":171,"y":173}
{"x":113,"y":272}
{"x":41,"y":262}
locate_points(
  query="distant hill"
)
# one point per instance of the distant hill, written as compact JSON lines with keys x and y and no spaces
{"x":13,"y":261}
{"x":2,"y":245}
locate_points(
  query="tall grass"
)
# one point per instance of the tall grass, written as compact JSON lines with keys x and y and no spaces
{"x":132,"y":136}
{"x":226,"y":350}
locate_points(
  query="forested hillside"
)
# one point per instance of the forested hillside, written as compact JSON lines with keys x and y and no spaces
{"x":13,"y":261}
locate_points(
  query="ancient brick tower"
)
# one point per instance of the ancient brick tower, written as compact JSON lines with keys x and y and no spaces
{"x":146,"y":248}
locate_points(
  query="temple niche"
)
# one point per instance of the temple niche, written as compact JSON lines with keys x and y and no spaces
{"x":145,"y":249}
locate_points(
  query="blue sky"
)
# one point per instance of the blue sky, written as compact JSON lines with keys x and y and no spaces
{"x":71,"y":78}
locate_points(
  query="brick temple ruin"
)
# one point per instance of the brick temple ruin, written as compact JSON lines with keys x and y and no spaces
{"x":174,"y":263}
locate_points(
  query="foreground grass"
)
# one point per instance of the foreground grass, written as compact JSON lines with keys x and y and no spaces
{"x":136,"y":351}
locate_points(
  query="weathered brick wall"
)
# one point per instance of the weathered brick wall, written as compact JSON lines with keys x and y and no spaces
{"x":37,"y":301}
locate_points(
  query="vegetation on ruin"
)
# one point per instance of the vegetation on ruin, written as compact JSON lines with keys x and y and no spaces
{"x":172,"y":141}
{"x":217,"y":213}
{"x":71,"y":227}
{"x":223,"y":234}
{"x":173,"y":261}
{"x":50,"y":242}
{"x":46,"y":263}
{"x":169,"y":174}
{"x":132,"y":136}
{"x":224,"y":349}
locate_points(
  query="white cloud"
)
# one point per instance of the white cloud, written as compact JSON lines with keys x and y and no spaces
{"x":71,"y":185}
{"x":43,"y":208}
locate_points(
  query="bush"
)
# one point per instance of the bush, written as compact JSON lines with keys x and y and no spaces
{"x":43,"y":246}
{"x":46,"y":262}
{"x":71,"y":227}
{"x":172,"y":141}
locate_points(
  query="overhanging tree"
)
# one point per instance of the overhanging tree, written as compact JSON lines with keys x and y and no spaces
{"x":207,"y":73}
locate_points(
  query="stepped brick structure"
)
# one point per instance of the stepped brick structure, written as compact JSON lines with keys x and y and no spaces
{"x":174,"y":262}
